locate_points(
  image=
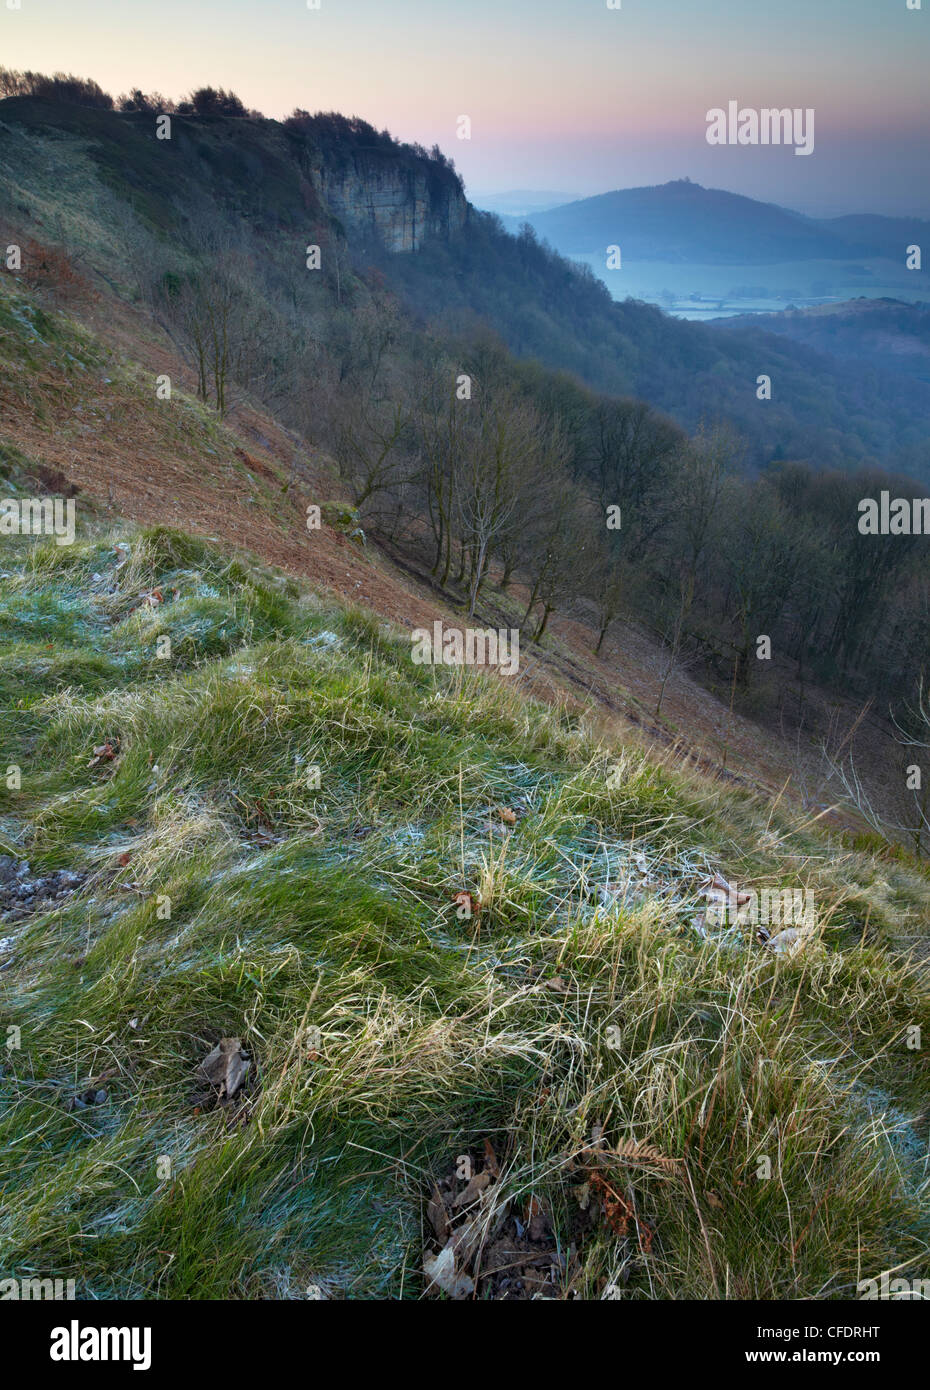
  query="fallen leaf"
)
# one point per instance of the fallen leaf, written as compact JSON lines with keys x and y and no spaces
{"x":466,"y":905}
{"x":438,"y":1216}
{"x":786,"y":942}
{"x":467,"y":1238}
{"x":474,"y":1190}
{"x":507,"y":816}
{"x":226,"y":1067}
{"x":104,"y":753}
{"x":537,"y":1222}
{"x":440,"y":1270}
{"x":82,"y":1101}
{"x":717,"y":890}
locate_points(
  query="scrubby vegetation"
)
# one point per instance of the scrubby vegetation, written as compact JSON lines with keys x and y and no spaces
{"x":59,"y":87}
{"x":709,"y":553}
{"x":405,"y":916}
{"x":270,"y":825}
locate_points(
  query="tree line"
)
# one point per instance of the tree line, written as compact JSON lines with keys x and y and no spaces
{"x":493,"y":471}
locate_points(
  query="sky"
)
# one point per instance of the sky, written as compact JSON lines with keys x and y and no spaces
{"x":565,"y":95}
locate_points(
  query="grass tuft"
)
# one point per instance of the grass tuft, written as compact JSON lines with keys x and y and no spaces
{"x":273,"y":853}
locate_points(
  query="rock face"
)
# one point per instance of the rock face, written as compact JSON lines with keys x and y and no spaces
{"x":400,"y":203}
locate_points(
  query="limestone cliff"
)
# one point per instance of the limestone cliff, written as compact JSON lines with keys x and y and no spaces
{"x":401,"y":203}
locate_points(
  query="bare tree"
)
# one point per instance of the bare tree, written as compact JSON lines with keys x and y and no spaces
{"x":444,"y":427}
{"x":561,"y":550}
{"x":495,"y":480}
{"x":371,"y":445}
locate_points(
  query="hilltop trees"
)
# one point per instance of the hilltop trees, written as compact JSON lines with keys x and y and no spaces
{"x":212,"y":101}
{"x":152,"y":103}
{"x":61,"y":86}
{"x":84,"y":91}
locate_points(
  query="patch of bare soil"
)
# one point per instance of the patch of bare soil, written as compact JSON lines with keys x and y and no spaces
{"x":22,"y":892}
{"x":486,"y":1245}
{"x":489,"y":1240}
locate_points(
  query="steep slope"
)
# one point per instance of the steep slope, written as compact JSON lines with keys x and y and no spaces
{"x":256,"y":193}
{"x":440,"y":917}
{"x":78,"y":415}
{"x":282,"y":178}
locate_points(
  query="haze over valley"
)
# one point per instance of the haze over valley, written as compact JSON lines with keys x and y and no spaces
{"x":702,"y":253}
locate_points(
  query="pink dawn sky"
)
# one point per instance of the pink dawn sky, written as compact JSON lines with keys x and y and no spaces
{"x":566,"y":95}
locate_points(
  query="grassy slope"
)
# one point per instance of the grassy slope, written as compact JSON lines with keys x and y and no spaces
{"x":293,"y":907}
{"x":77,"y":405}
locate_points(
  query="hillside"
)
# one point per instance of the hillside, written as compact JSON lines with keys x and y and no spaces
{"x":283,"y":178}
{"x":258,"y":192}
{"x":866,"y":234}
{"x":79,"y":416}
{"x":822,"y":410}
{"x":879,"y":332}
{"x":687,"y":222}
{"x":94,"y":264}
{"x":430,"y":919}
{"x":415,"y":914}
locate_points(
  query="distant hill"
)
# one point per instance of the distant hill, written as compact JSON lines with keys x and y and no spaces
{"x":865,"y":234}
{"x":394,"y":215}
{"x":685,"y":222}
